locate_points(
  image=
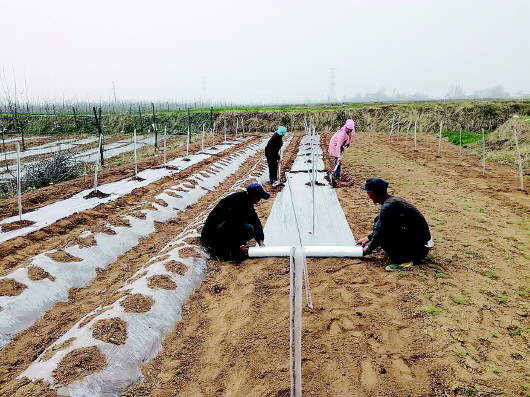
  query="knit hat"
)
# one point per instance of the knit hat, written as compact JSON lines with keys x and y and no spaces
{"x":281,"y":130}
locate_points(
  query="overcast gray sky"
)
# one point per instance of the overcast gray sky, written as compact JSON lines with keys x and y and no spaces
{"x":261,"y":51}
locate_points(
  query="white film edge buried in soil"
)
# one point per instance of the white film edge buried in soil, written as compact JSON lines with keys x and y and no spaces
{"x":144,"y":330}
{"x":22,"y":310}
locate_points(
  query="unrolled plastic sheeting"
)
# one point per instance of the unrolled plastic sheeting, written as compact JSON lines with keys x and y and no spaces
{"x":22,"y":310}
{"x":290,"y":222}
{"x":312,"y":251}
{"x":50,"y":214}
{"x":144,"y":330}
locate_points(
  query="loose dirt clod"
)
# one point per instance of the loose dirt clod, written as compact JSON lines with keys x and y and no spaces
{"x":63,"y":256}
{"x":139,"y":215}
{"x":161,"y":202}
{"x":193,"y":240}
{"x":29,"y":388}
{"x":176,"y":267}
{"x":120,"y":222}
{"x":11,"y":287}
{"x":7,"y":227}
{"x":78,"y":364}
{"x":112,"y":330}
{"x":161,"y":281}
{"x":96,"y":193}
{"x":36,"y":273}
{"x":137,"y":303}
{"x":189,"y":252}
{"x":51,"y":352}
{"x":88,"y":241}
{"x":173,"y":194}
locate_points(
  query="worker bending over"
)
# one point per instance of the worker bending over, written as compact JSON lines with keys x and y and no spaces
{"x":400,"y":229}
{"x":232,"y":223}
{"x":337,"y":144}
{"x":272,"y":153}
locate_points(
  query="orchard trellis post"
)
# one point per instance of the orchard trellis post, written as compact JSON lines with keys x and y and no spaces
{"x":2,"y":130}
{"x":440,"y":141}
{"x":141,"y":120}
{"x":483,"y":153}
{"x":295,"y":303}
{"x":75,"y":119}
{"x":460,"y":141}
{"x":188,"y":142}
{"x":19,"y":184}
{"x":165,"y":145}
{"x":98,"y":160}
{"x":415,"y":135}
{"x":519,"y":159}
{"x":100,"y":131}
{"x":202,"y":141}
{"x":135,"y":155}
{"x":155,"y":126}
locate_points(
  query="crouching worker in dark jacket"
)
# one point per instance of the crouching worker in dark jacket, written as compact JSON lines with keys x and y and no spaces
{"x":232,"y":223}
{"x":400,"y":229}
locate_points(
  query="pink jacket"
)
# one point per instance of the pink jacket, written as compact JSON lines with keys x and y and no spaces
{"x":341,"y":138}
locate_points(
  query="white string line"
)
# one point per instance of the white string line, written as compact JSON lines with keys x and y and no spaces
{"x":294,"y":210}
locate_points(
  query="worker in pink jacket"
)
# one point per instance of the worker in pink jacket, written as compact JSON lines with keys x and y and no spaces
{"x":338,"y":142}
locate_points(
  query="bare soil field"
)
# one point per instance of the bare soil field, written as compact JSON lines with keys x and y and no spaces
{"x":456,"y":326}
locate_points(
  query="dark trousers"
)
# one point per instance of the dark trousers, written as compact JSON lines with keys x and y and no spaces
{"x":403,"y":251}
{"x":229,"y":237}
{"x":337,"y":168}
{"x":273,"y":168}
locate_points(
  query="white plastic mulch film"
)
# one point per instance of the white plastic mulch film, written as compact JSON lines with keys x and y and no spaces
{"x":301,"y":217}
{"x":51,"y":213}
{"x":144,"y":330}
{"x":20,"y":311}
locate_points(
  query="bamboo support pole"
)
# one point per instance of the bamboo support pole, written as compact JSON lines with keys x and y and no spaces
{"x":519,"y":159}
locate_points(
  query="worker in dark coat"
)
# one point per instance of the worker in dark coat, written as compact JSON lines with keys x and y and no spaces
{"x":272,"y":153}
{"x":400,"y":229}
{"x":233,"y":222}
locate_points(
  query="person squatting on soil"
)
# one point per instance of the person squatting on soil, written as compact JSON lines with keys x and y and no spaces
{"x":339,"y":141}
{"x":400,"y":229}
{"x":232,"y":223}
{"x":272,"y":153}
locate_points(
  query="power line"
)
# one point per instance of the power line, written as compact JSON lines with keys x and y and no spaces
{"x":114,"y":90}
{"x":203,"y":88}
{"x":332,"y":86}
